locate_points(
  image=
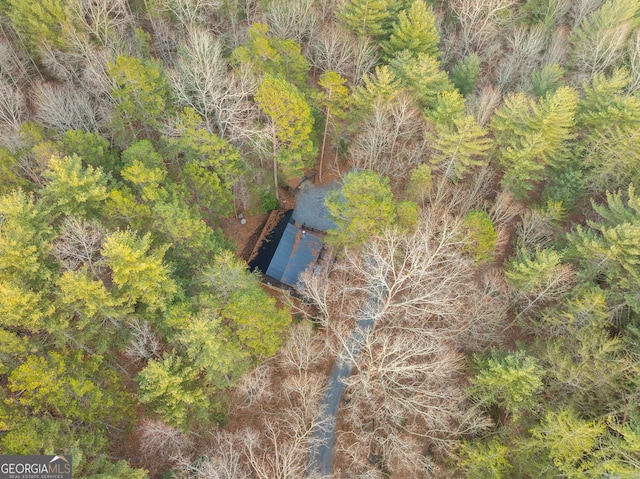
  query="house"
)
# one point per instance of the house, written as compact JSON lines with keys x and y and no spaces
{"x":285,"y":249}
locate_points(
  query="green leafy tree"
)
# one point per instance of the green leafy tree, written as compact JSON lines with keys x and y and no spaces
{"x":25,"y":237}
{"x":414,"y":31}
{"x":465,"y":73}
{"x":141,"y":90}
{"x":481,"y":236}
{"x":570,"y":442}
{"x":211,"y":165}
{"x":609,"y":119}
{"x":547,"y":80}
{"x":173,"y":389}
{"x":531,"y":136}
{"x":460,"y":147}
{"x":241,"y":301}
{"x":420,"y":183}
{"x":611,"y":246}
{"x":291,"y":126}
{"x":74,"y":189}
{"x":37,"y":22}
{"x":362,"y":208}
{"x":511,"y":381}
{"x":263,"y":54}
{"x":366,"y":17}
{"x":145,"y":170}
{"x":381,"y":87}
{"x":94,"y":150}
{"x":86,"y":312}
{"x":138,"y":272}
{"x":422,"y":75}
{"x":333,"y":98}
{"x":480,"y":460}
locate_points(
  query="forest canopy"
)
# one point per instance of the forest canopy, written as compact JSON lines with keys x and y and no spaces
{"x":486,"y":160}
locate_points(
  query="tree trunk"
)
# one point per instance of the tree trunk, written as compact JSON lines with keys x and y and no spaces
{"x":275,"y":160}
{"x":324,"y":141}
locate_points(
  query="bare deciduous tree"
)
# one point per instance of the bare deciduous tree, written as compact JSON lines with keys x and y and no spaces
{"x":66,"y":108}
{"x":483,"y":105}
{"x":78,"y":244}
{"x":223,"y":462}
{"x":479,"y":24}
{"x":159,"y":439}
{"x":294,"y":19}
{"x":392,"y":139}
{"x":108,"y":21}
{"x":526,"y":47}
{"x":13,"y":106}
{"x":203,"y":81}
{"x":145,"y":343}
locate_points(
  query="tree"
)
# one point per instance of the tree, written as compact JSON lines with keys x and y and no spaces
{"x":291,"y":126}
{"x":211,"y":165}
{"x":378,"y":88}
{"x":531,"y":136}
{"x":570,"y":440}
{"x":263,"y":54}
{"x":41,"y":21}
{"x":610,"y":246}
{"x":538,"y":277}
{"x":482,"y":460}
{"x":364,"y":206}
{"x":94,"y":150}
{"x":174,"y":390}
{"x":512,"y":381}
{"x":601,"y":38}
{"x":141,"y":90}
{"x":609,"y":118}
{"x":72,"y":189}
{"x":465,"y":73}
{"x":139,"y":275}
{"x":460,"y":147}
{"x":25,"y":236}
{"x":420,"y":183}
{"x":481,"y":235}
{"x":366,"y":17}
{"x":334,"y":98}
{"x":422,"y":75}
{"x":414,"y":31}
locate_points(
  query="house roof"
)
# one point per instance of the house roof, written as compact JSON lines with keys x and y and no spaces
{"x":297,"y":250}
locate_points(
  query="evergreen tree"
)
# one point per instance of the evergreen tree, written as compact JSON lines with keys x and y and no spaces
{"x":465,"y":73}
{"x":422,"y":75}
{"x":363,"y":207}
{"x":611,"y":246}
{"x":334,"y":99}
{"x":460,"y":147}
{"x":291,"y":126}
{"x":72,"y":189}
{"x":366,"y":17}
{"x":414,"y":31}
{"x":512,"y":381}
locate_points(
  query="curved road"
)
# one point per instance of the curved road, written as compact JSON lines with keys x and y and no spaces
{"x":324,"y":436}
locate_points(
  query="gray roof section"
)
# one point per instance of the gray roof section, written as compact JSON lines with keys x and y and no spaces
{"x":310,"y":208}
{"x":296,"y":251}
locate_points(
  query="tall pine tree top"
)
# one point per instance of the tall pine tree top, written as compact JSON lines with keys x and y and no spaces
{"x":414,"y":31}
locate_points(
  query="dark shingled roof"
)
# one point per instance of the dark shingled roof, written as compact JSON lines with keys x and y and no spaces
{"x":296,"y":251}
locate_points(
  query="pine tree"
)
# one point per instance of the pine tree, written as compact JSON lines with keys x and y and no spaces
{"x":366,"y":17}
{"x":421,"y":74}
{"x":460,"y":147}
{"x":72,"y":189}
{"x":611,"y":246}
{"x":512,"y":381}
{"x":381,"y":87}
{"x":291,"y":126}
{"x":363,"y":207}
{"x":334,"y":99}
{"x":465,"y":73}
{"x":414,"y":31}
